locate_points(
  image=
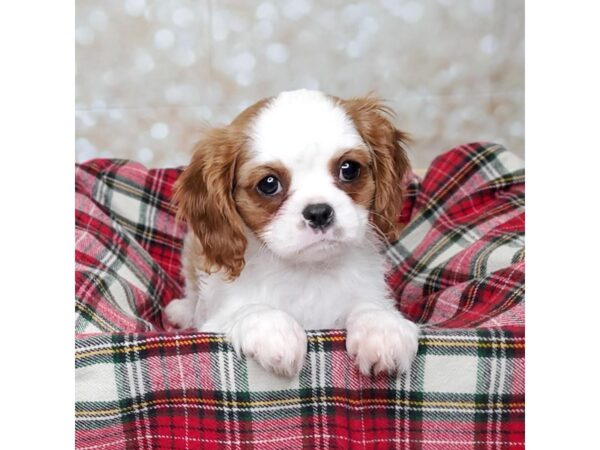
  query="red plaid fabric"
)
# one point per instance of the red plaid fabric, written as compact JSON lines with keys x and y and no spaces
{"x":458,"y":269}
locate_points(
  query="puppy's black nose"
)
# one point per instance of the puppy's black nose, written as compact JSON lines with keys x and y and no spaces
{"x":319,"y":215}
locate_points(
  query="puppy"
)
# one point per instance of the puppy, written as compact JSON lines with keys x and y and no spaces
{"x":288,"y":208}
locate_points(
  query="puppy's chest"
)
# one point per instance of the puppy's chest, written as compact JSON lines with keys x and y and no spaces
{"x":316,"y":305}
{"x":316,"y":299}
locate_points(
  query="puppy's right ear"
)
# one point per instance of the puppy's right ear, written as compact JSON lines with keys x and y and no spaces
{"x":204,"y":199}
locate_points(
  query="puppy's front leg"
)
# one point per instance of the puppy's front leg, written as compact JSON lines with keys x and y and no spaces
{"x":271,"y":337}
{"x":380,"y":339}
{"x":180,"y":312}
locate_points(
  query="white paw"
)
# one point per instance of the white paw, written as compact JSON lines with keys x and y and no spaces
{"x":382,"y":341}
{"x":273,"y":339}
{"x":181,"y":313}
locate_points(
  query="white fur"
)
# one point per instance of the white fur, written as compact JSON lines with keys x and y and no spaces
{"x":295,"y":278}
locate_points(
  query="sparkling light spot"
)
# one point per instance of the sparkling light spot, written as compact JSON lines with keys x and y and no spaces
{"x":115,"y":114}
{"x":135,"y":7}
{"x":266,"y":10}
{"x":263,"y":29}
{"x":159,"y":130}
{"x":483,"y":7}
{"x":354,"y":49}
{"x":185,"y":57}
{"x":244,"y":62}
{"x":84,"y":35}
{"x":143,"y":61}
{"x":98,"y":19}
{"x":98,"y":103}
{"x":295,"y":9}
{"x":220,"y":27}
{"x":109,"y":77}
{"x":393,"y":6}
{"x":369,"y":25}
{"x":516,"y":129}
{"x":244,"y":78}
{"x":164,"y":38}
{"x":174,"y":94}
{"x":488,"y":44}
{"x":183,"y":17}
{"x":86,"y":119}
{"x":145,"y":155}
{"x":412,"y":11}
{"x":277,"y":53}
{"x":351,"y":14}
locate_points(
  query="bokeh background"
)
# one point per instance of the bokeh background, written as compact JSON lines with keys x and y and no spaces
{"x":151,"y":73}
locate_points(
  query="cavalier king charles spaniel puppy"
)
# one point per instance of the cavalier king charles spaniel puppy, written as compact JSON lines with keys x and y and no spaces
{"x":287,"y":209}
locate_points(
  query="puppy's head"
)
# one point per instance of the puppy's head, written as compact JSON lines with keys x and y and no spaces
{"x":308,"y":174}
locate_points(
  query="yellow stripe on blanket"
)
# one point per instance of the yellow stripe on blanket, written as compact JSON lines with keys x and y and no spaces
{"x":289,"y":401}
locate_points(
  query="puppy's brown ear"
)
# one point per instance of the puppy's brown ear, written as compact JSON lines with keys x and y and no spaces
{"x":390,"y":163}
{"x":204,"y":199}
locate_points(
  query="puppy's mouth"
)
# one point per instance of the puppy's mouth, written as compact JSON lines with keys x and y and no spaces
{"x":321,"y":246}
{"x":322,"y":241}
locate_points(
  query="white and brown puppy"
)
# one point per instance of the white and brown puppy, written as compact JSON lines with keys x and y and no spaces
{"x":287,"y":209}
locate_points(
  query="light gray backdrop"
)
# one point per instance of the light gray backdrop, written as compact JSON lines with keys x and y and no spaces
{"x":150,"y":72}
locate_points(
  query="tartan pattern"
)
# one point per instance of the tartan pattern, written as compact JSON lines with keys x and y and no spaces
{"x":458,"y":269}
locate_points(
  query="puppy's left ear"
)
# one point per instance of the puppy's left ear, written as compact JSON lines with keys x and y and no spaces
{"x":204,"y":199}
{"x":390,"y":163}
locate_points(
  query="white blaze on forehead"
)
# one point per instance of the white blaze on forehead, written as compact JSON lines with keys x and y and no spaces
{"x":302,"y":129}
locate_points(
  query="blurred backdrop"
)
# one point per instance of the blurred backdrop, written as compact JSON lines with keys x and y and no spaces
{"x":150,"y":73}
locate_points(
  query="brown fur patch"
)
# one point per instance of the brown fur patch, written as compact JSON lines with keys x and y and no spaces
{"x":389,"y":163}
{"x":256,"y":209}
{"x":204,"y":195}
{"x":362,"y":188}
{"x":243,"y":119}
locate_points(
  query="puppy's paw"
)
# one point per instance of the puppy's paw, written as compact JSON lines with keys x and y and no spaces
{"x":273,"y":339}
{"x":382,"y":341}
{"x":180,"y":313}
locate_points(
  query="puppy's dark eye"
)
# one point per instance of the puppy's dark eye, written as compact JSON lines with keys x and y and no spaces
{"x":349,"y":171}
{"x":269,"y":186}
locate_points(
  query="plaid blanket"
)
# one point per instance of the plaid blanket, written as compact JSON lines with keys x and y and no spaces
{"x":458,"y":269}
